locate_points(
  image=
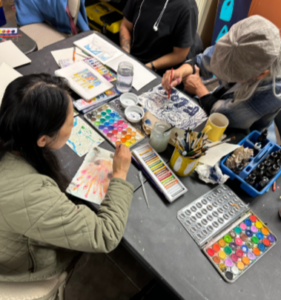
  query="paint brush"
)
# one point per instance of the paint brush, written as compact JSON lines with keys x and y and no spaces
{"x":171,"y":77}
{"x":169,"y":128}
{"x":74,"y":51}
{"x":143,"y":188}
{"x":225,"y":141}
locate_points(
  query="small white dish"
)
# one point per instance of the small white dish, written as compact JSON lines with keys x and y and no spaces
{"x":128,"y":99}
{"x":134,"y":113}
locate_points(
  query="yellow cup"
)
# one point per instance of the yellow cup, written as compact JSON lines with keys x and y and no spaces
{"x":215,"y":126}
{"x":182,"y":166}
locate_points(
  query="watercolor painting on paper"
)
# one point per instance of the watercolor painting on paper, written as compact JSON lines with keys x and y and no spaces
{"x":98,"y":47}
{"x":180,"y":110}
{"x":83,"y":137}
{"x":93,"y":177}
{"x":86,"y":79}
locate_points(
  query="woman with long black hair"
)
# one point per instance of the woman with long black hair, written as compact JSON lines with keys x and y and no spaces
{"x":41,"y":230}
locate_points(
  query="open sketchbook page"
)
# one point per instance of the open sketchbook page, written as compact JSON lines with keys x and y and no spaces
{"x":12,"y":55}
{"x":142,"y":76}
{"x":83,"y":137}
{"x":92,"y":179}
{"x":97,"y":47}
{"x":84,"y":80}
{"x":67,"y":54}
{"x":7,"y":75}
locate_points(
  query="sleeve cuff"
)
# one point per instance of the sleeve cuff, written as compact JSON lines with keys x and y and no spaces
{"x":207,"y":102}
{"x":123,"y":182}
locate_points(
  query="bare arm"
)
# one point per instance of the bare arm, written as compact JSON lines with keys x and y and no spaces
{"x":171,"y":59}
{"x":126,"y":28}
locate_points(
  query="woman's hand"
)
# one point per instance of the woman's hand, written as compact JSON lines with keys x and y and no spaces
{"x":176,"y":79}
{"x":121,"y":162}
{"x":193,"y":84}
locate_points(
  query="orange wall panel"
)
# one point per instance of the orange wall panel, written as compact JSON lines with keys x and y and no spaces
{"x":269,"y":9}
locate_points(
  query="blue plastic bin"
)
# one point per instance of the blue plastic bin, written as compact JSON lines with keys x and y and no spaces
{"x":249,"y":141}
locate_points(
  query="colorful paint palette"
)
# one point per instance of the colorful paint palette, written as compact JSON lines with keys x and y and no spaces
{"x":235,"y":250}
{"x":210,"y":213}
{"x":160,"y":174}
{"x":113,"y":127}
{"x":8,"y":31}
{"x":234,"y":247}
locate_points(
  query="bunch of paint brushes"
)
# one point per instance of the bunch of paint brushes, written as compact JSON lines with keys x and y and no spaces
{"x":194,"y":145}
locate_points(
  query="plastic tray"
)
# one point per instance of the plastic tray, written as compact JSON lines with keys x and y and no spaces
{"x":249,"y":141}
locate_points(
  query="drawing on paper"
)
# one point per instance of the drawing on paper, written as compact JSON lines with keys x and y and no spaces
{"x":86,"y":79}
{"x":180,"y":110}
{"x":83,"y":137}
{"x":100,"y":49}
{"x":92,"y":179}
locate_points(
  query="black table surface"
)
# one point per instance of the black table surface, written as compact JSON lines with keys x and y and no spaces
{"x":24,"y":42}
{"x":157,"y":239}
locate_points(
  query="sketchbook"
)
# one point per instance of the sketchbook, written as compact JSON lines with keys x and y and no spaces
{"x":97,"y":47}
{"x":7,"y":75}
{"x":12,"y":55}
{"x":67,"y":54}
{"x":93,"y":177}
{"x":84,"y":80}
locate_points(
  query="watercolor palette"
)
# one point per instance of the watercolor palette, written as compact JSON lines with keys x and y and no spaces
{"x":113,"y":127}
{"x":235,"y":250}
{"x":211,"y":213}
{"x":232,"y":248}
{"x":160,"y":174}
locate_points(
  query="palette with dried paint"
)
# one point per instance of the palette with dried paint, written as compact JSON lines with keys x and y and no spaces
{"x":232,"y":250}
{"x":113,"y":127}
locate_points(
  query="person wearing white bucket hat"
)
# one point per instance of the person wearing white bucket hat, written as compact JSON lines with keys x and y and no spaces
{"x":247,"y":61}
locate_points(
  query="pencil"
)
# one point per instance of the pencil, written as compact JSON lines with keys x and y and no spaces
{"x":274,"y":186}
{"x":171,"y":77}
{"x":74,"y":50}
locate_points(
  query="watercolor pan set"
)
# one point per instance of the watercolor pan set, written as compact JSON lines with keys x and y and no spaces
{"x":231,"y":236}
{"x":160,"y":174}
{"x":113,"y":127}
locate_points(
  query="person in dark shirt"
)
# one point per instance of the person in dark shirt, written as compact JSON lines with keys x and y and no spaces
{"x":159,"y":33}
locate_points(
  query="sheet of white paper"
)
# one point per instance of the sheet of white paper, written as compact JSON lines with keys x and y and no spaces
{"x":68,"y":54}
{"x":213,"y":155}
{"x":98,"y":48}
{"x":12,"y":56}
{"x":142,"y":76}
{"x":84,"y":80}
{"x":7,"y":75}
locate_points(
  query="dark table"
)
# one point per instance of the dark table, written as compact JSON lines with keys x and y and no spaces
{"x":159,"y":241}
{"x":24,"y":42}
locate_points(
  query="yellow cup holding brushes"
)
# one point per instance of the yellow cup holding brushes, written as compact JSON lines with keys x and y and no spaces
{"x":181,"y":165}
{"x":216,"y":126}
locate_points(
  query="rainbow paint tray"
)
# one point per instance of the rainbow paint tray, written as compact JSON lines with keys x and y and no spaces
{"x":231,"y":236}
{"x":113,"y":127}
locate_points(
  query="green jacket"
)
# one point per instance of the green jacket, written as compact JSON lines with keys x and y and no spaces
{"x":41,"y":229}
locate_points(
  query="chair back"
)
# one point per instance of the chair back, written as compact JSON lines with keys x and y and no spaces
{"x":44,"y":289}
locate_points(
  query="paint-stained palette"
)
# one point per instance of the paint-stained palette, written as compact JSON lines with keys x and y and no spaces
{"x":113,"y":127}
{"x":232,"y":237}
{"x":211,"y":213}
